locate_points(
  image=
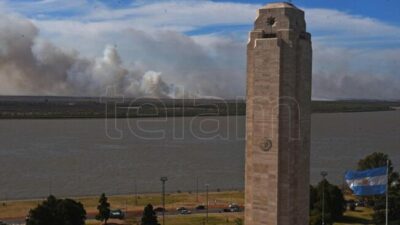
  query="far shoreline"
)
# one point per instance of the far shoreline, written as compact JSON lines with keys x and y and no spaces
{"x":122,"y":195}
{"x":92,"y":108}
{"x":158,"y":117}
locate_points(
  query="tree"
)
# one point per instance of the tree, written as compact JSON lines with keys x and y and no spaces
{"x":335,"y":204}
{"x":379,"y":215}
{"x":313,"y":197}
{"x":103,"y":209}
{"x":238,"y":221}
{"x":375,"y":160}
{"x":149,"y":216}
{"x":57,"y":211}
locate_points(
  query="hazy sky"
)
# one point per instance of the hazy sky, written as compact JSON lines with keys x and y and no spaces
{"x":187,"y":48}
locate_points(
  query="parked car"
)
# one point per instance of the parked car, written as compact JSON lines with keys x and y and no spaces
{"x":180,"y":209}
{"x":185,"y":211}
{"x":351,"y":205}
{"x":200,"y":207}
{"x":226,"y":210}
{"x":235,"y":209}
{"x":117,"y":214}
{"x":159,"y":209}
{"x":233,"y":205}
{"x":360,"y":204}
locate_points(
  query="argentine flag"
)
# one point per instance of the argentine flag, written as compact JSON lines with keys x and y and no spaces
{"x":368,"y":182}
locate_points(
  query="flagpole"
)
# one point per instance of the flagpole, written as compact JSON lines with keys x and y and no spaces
{"x":387,"y":192}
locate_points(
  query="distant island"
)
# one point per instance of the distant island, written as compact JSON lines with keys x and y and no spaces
{"x":45,"y":107}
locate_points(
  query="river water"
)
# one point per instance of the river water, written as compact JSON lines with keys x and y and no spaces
{"x":74,"y":157}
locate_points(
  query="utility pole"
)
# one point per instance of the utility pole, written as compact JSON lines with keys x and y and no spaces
{"x":126,"y":207}
{"x":207,"y":185}
{"x":163,"y":180}
{"x":323,"y":174}
{"x":387,"y":192}
{"x":136,"y":194}
{"x":197,"y":189}
{"x":50,"y":187}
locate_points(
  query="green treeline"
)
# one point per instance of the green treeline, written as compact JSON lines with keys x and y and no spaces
{"x":134,"y":108}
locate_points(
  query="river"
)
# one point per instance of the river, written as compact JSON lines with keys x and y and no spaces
{"x":74,"y":157}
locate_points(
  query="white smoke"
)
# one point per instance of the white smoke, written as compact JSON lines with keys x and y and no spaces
{"x":30,"y":66}
{"x":353,"y":73}
{"x":165,"y":63}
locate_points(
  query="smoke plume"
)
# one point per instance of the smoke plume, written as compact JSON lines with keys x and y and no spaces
{"x":166,"y":63}
{"x":356,"y":74}
{"x":31,"y":66}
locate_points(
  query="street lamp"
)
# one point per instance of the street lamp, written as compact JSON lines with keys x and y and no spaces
{"x":163,"y":180}
{"x":207,"y":185}
{"x":136,"y":193}
{"x":197,"y":189}
{"x":126,"y":207}
{"x":323,"y":174}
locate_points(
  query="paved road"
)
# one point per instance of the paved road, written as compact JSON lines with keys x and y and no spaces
{"x":21,"y":221}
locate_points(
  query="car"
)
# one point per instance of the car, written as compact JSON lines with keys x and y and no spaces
{"x":200,"y":207}
{"x":185,"y":211}
{"x":360,"y":204}
{"x":2,"y":223}
{"x":117,"y":214}
{"x":231,"y":209}
{"x":233,"y":205}
{"x":159,"y":209}
{"x":351,"y":206}
{"x":181,"y":208}
{"x":235,"y":209}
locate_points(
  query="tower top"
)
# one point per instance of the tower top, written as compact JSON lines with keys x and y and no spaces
{"x":280,"y":17}
{"x":279,"y":5}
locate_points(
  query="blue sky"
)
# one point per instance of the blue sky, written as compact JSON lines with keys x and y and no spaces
{"x":196,"y":45}
{"x":387,"y":10}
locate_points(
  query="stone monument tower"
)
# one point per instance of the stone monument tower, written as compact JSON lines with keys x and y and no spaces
{"x":279,"y":58}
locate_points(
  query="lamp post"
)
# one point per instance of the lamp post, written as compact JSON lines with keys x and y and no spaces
{"x":197,"y":189}
{"x":50,"y":187}
{"x":323,"y":174}
{"x":387,"y":192}
{"x":126,"y":207}
{"x":207,"y":185}
{"x":163,"y":180}
{"x":393,"y":185}
{"x":136,"y":193}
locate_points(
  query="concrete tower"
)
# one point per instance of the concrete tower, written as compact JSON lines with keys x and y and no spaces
{"x":278,"y":118}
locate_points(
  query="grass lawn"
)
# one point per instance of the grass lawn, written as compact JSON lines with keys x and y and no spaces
{"x":196,"y":219}
{"x":360,"y":216}
{"x":199,"y":219}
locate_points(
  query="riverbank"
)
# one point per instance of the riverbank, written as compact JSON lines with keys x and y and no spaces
{"x":48,"y":107}
{"x":17,"y":210}
{"x":132,"y":203}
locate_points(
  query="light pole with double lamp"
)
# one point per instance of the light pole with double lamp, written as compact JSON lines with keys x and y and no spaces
{"x":207,"y":185}
{"x":323,"y":174}
{"x":163,"y":180}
